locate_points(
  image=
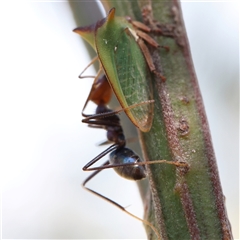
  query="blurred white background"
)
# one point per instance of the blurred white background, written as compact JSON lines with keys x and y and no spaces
{"x":44,"y":144}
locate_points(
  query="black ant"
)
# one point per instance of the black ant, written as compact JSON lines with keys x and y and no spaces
{"x":107,"y":119}
{"x":123,"y":160}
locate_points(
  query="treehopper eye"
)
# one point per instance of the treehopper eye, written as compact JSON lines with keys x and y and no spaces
{"x":126,"y":61}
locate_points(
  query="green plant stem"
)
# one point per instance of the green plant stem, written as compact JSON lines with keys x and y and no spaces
{"x":185,"y":204}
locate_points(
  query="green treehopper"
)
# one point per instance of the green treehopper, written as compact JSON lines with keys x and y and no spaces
{"x":126,"y":61}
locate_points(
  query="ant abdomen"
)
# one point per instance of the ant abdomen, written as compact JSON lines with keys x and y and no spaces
{"x":125,"y":156}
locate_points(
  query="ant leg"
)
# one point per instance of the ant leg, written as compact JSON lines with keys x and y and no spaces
{"x":108,"y":114}
{"x":93,"y":60}
{"x":175,"y":163}
{"x":100,"y":92}
{"x":93,"y":174}
{"x":95,"y":79}
{"x":115,"y":203}
{"x":92,"y":125}
{"x":98,"y":123}
{"x":102,"y":154}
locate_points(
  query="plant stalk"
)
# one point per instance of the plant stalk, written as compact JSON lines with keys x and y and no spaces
{"x":184,"y":203}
